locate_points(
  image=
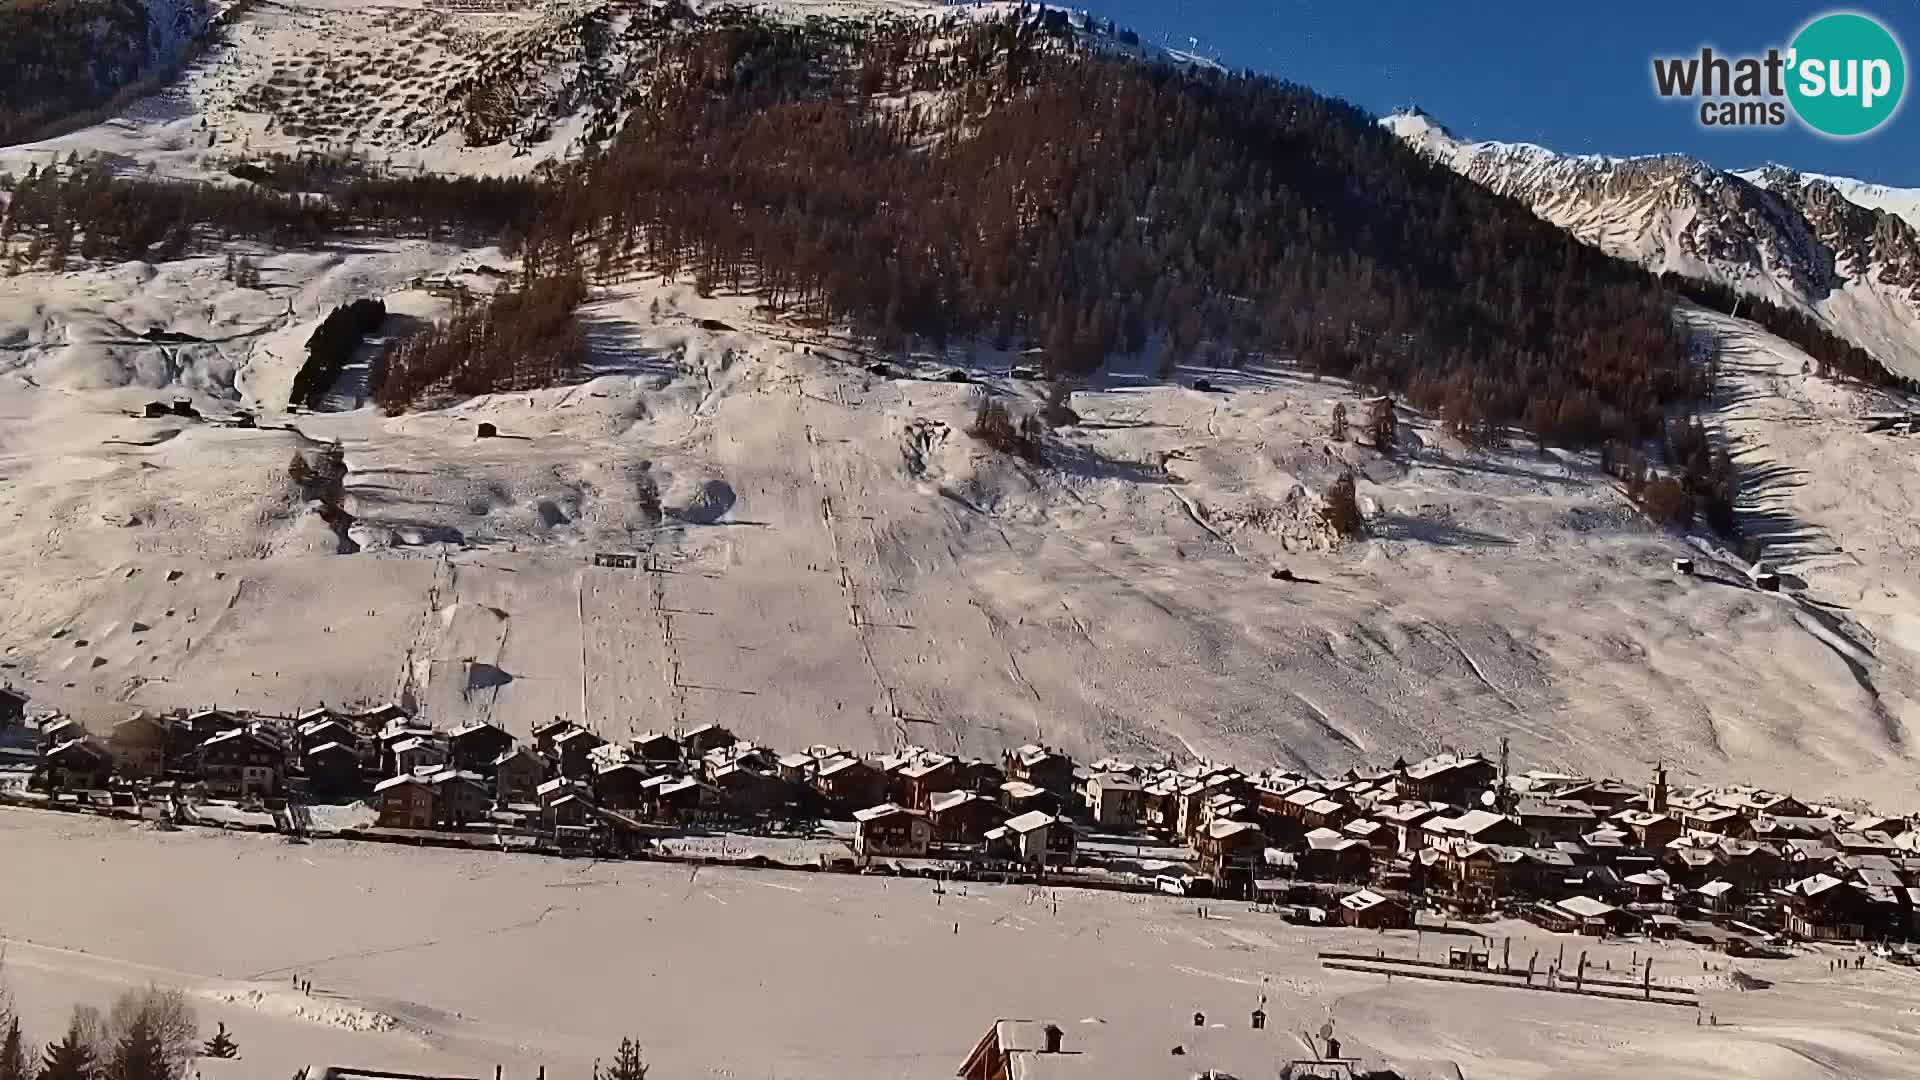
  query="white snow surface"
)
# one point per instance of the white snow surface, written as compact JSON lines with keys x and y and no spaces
{"x":449,"y":963}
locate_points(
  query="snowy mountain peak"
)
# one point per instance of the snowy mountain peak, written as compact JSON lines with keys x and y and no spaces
{"x":1841,"y":249}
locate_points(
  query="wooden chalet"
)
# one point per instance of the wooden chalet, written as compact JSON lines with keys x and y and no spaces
{"x":657,"y":749}
{"x":405,"y":802}
{"x":332,"y":769}
{"x":475,"y":746}
{"x":964,"y":817}
{"x":1369,"y":910}
{"x":1040,"y":840}
{"x":848,"y":783}
{"x":617,"y":786}
{"x":574,"y":748}
{"x":78,"y":765}
{"x":700,"y":741}
{"x":1229,"y":853}
{"x":139,"y":746}
{"x":242,"y":761}
{"x":1041,"y":767}
{"x":517,"y":774}
{"x":1117,"y":800}
{"x":891,"y":830}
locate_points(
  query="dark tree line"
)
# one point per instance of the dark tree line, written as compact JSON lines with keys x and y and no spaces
{"x":331,"y":346}
{"x":83,"y":209}
{"x":514,"y":340}
{"x":1087,"y":205}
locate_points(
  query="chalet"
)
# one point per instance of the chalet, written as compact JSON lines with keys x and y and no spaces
{"x":1447,"y":778}
{"x":1330,"y":856}
{"x":699,"y":741}
{"x":1595,"y":918}
{"x":1689,"y":866}
{"x":1116,"y":799}
{"x":1719,"y":820}
{"x":139,"y":745}
{"x":1159,"y":805}
{"x":1406,"y":820}
{"x":1608,"y":795}
{"x":1325,"y":814}
{"x":1369,"y":910}
{"x":741,"y":755}
{"x":617,"y":786}
{"x":400,"y":733}
{"x":332,"y":769}
{"x":1229,"y":852}
{"x":1041,"y":767}
{"x":405,"y":802}
{"x":1825,"y":908}
{"x":78,"y":765}
{"x":58,"y":729}
{"x":241,"y":761}
{"x":1650,"y":831}
{"x":750,"y":793}
{"x":1648,"y":886}
{"x":550,"y":790}
{"x":1041,"y":840}
{"x":1717,"y":897}
{"x":916,"y":782}
{"x":516,"y":775}
{"x":1020,"y":797}
{"x":574,"y":748}
{"x":547,"y":734}
{"x":475,"y":746}
{"x":570,"y":811}
{"x":460,"y":797}
{"x":657,"y":748}
{"x":797,"y":768}
{"x":1773,"y":828}
{"x":13,"y":707}
{"x":847,"y":782}
{"x":199,"y":726}
{"x":686,"y":800}
{"x":324,"y":729}
{"x":1190,"y":806}
{"x":1293,"y":804}
{"x":890,"y":829}
{"x":1548,"y":820}
{"x":963,"y":817}
{"x":377,"y":719}
{"x":417,"y":754}
{"x":1477,"y":826}
{"x":1379,"y":838}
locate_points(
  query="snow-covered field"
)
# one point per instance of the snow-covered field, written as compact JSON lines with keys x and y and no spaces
{"x":744,"y":974}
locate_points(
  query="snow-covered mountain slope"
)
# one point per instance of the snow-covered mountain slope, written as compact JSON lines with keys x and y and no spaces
{"x":1797,"y":240}
{"x":448,"y":86}
{"x":839,"y":561}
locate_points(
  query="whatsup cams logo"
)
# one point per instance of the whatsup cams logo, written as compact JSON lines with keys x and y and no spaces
{"x":1842,"y":75}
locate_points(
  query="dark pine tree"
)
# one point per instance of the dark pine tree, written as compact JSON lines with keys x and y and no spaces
{"x":221,"y":1045}
{"x":69,"y":1059}
{"x":139,"y":1055}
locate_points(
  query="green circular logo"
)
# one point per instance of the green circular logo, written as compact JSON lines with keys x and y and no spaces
{"x":1848,"y":74}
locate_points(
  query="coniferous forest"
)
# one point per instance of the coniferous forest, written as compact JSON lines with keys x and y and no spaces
{"x":1007,"y":181}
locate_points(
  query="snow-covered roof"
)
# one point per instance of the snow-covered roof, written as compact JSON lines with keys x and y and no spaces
{"x":947,"y":800}
{"x":1586,"y":907}
{"x":1363,"y":900}
{"x":884,"y":810}
{"x":1031,"y":820}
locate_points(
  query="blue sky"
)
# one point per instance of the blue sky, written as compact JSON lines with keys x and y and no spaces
{"x":1572,"y":76}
